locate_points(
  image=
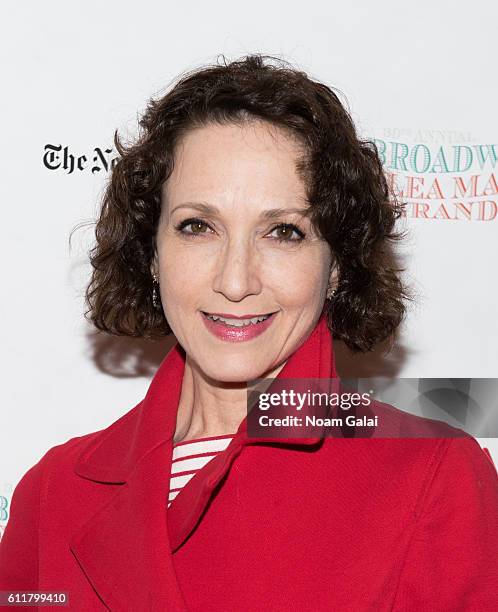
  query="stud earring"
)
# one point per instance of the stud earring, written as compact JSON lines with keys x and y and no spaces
{"x":331,"y":293}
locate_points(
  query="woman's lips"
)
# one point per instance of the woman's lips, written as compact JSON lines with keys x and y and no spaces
{"x":230,"y":333}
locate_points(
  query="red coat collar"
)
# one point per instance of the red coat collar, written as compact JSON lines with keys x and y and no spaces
{"x":114,"y":452}
{"x":135,"y":453}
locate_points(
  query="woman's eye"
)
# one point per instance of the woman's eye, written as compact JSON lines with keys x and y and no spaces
{"x":286,"y":230}
{"x":198,"y":227}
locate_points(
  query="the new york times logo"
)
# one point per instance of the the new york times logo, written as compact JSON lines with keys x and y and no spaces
{"x":57,"y":157}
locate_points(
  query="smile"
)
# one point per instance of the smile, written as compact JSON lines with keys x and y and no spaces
{"x":237,"y":322}
{"x":239,"y":329}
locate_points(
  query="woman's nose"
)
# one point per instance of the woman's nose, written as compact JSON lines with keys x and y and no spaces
{"x":236,"y":271}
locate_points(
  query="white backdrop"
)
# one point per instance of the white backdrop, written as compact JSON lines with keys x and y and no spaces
{"x":72,"y":72}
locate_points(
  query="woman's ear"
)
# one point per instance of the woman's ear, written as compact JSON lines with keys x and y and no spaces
{"x":334,"y":275}
{"x":154,"y":267}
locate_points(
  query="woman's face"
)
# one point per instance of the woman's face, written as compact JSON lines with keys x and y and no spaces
{"x":220,"y":251}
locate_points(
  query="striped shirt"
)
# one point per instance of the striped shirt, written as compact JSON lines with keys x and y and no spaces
{"x":190,"y":456}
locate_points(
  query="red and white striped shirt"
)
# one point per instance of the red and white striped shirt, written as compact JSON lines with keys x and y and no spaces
{"x":190,"y":456}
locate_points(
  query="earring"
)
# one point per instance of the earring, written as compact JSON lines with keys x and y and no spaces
{"x":156,"y":302}
{"x":331,"y":293}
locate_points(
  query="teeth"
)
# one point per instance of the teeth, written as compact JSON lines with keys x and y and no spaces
{"x":238,"y":322}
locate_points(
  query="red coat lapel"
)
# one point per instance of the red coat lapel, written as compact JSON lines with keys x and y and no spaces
{"x":126,"y":549}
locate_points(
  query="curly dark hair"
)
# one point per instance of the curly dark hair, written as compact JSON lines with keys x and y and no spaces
{"x":350,"y":203}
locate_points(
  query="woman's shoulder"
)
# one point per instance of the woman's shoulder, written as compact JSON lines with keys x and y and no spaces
{"x":65,"y":455}
{"x":426,"y":456}
{"x":452,"y":445}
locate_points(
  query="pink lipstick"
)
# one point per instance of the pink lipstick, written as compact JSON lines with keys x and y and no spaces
{"x":230,"y":333}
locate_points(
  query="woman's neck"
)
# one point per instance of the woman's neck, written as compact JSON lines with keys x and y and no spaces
{"x":207,"y":409}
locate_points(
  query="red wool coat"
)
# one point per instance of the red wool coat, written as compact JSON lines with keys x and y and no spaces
{"x":318,"y":524}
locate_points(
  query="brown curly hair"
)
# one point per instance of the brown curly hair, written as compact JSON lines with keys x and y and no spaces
{"x":350,"y":203}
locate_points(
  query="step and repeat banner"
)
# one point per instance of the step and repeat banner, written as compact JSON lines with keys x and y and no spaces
{"x":418,"y":80}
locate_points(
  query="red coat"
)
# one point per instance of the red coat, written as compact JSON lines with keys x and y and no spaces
{"x":318,"y":524}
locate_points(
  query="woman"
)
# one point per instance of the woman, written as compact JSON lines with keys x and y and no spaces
{"x":250,"y":220}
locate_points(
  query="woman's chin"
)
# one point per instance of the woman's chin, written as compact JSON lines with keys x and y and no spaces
{"x":241,"y":373}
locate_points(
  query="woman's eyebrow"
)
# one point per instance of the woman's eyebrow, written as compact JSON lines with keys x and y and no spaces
{"x":271,"y":213}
